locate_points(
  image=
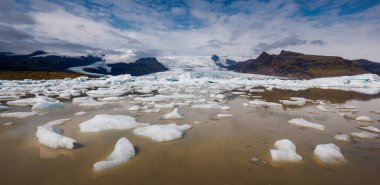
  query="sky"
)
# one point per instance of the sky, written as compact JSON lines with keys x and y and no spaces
{"x":238,"y":29}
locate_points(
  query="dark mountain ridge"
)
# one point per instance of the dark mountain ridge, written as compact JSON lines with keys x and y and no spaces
{"x":299,"y":65}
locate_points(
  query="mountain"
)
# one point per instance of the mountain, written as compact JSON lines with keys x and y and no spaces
{"x":222,"y":62}
{"x":90,"y":65}
{"x":298,"y":65}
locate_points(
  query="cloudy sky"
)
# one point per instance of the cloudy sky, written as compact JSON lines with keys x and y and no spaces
{"x":192,"y":28}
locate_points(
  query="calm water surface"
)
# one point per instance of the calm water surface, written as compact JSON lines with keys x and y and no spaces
{"x":216,"y":151}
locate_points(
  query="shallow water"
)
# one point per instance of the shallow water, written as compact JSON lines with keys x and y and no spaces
{"x":216,"y":151}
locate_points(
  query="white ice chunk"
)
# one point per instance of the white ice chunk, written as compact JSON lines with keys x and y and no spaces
{"x":47,"y":106}
{"x":207,"y":106}
{"x":342,"y":137}
{"x":102,"y":122}
{"x":285,"y":151}
{"x":294,"y":101}
{"x":165,"y":106}
{"x":112,"y":99}
{"x":224,"y":115}
{"x":81,"y":113}
{"x":162,"y":133}
{"x":57,"y":122}
{"x":31,"y":101}
{"x":50,"y":137}
{"x":122,"y":153}
{"x":17,"y":114}
{"x":365,"y":135}
{"x":92,"y":104}
{"x":257,"y":102}
{"x":225,"y":108}
{"x":303,"y":123}
{"x":3,"y":107}
{"x":154,"y":110}
{"x":172,"y":115}
{"x":321,"y":108}
{"x":100,"y":93}
{"x":134,"y":108}
{"x":370,"y":128}
{"x":329,"y":153}
{"x":363,"y":118}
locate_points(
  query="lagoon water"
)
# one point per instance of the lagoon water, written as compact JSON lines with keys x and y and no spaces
{"x":214,"y":151}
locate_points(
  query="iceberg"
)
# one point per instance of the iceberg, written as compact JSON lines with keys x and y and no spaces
{"x":51,"y":137}
{"x":328,"y":153}
{"x":122,"y":153}
{"x":370,"y":128}
{"x":285,"y":151}
{"x":47,"y":106}
{"x":103,"y":122}
{"x":364,"y":119}
{"x":172,"y":115}
{"x":162,"y":133}
{"x":365,"y":135}
{"x":303,"y":123}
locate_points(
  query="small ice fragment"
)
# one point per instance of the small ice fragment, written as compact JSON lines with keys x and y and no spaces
{"x":134,"y":108}
{"x":365,"y":135}
{"x":3,"y":107}
{"x":370,"y":128}
{"x":56,"y":122}
{"x":342,"y":137}
{"x":50,"y":137}
{"x":81,"y":113}
{"x":303,"y":123}
{"x":165,"y":106}
{"x":17,"y":114}
{"x":8,"y":123}
{"x":364,"y":118}
{"x":257,"y":102}
{"x":197,"y":122}
{"x":294,"y":101}
{"x":122,"y":153}
{"x":225,"y":108}
{"x":321,"y":108}
{"x":207,"y":106}
{"x":224,"y":115}
{"x":329,"y":153}
{"x":162,"y":133}
{"x":103,"y":122}
{"x":172,"y":115}
{"x":154,"y":110}
{"x":285,"y":151}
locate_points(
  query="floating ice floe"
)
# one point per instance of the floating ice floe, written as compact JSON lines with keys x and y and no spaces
{"x":365,"y":135}
{"x":162,"y":133}
{"x":258,"y":102}
{"x":134,"y":108}
{"x":285,"y":151}
{"x":92,"y":104}
{"x":103,"y":122}
{"x":172,"y":115}
{"x":348,"y":115}
{"x":294,"y":101}
{"x":17,"y":114}
{"x":3,"y":107}
{"x":165,"y":106}
{"x":100,"y":93}
{"x":346,"y":107}
{"x":363,"y":118}
{"x":8,"y":123}
{"x":224,"y":115}
{"x":53,"y":138}
{"x":8,"y":98}
{"x":321,"y":108}
{"x":112,"y":99}
{"x":47,"y":106}
{"x":342,"y":137}
{"x":81,"y":113}
{"x":303,"y":123}
{"x":225,"y":108}
{"x":370,"y":128}
{"x":153,"y":110}
{"x":122,"y":153}
{"x":31,"y":101}
{"x":207,"y":106}
{"x":83,"y":100}
{"x":217,"y":96}
{"x":328,"y":153}
{"x":56,"y":122}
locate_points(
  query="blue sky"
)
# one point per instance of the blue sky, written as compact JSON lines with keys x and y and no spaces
{"x":240,"y":29}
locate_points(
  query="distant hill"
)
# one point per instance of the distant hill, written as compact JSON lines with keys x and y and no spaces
{"x":298,"y":65}
{"x":89,"y":65}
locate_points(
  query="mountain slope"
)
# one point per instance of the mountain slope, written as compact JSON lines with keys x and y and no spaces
{"x":298,"y":65}
{"x":89,"y":65}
